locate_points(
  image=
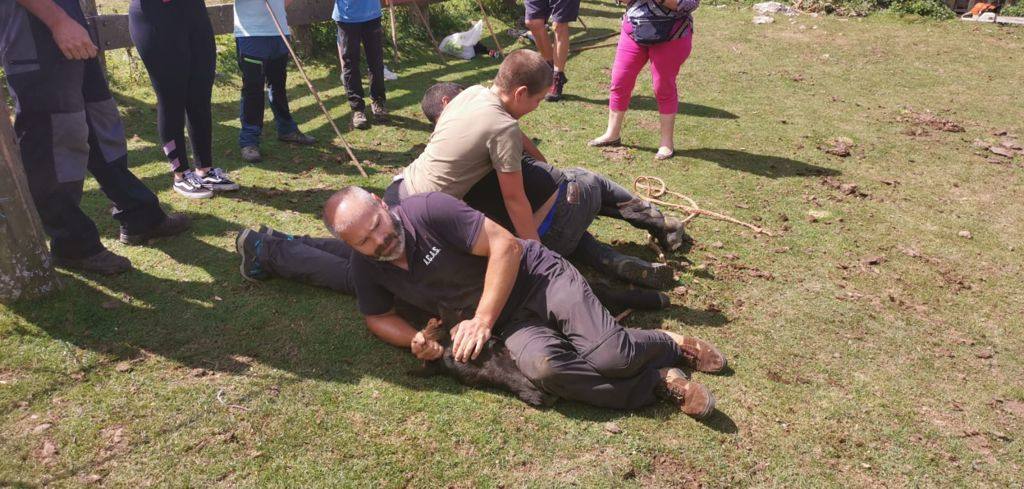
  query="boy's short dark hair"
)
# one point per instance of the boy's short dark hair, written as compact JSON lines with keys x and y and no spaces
{"x":524,"y":67}
{"x":432,"y":103}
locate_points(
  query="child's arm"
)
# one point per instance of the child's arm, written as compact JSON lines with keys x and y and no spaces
{"x":518,"y":206}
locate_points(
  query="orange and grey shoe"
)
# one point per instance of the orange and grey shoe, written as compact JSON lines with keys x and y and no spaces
{"x":694,"y":399}
{"x":699,"y":354}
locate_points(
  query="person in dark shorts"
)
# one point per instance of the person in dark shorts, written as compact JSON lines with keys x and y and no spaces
{"x":174,"y":38}
{"x":561,"y":13}
{"x":435,"y":252}
{"x":359,"y":24}
{"x":263,"y":61}
{"x":66,"y":122}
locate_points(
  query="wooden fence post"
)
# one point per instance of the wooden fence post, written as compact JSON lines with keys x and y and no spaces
{"x":26,"y":270}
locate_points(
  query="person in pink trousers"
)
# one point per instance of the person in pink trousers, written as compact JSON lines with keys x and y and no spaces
{"x":659,"y":31}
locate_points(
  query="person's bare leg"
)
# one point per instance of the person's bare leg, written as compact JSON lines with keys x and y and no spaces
{"x":614,"y":129}
{"x":540,"y":34}
{"x":561,"y":54}
{"x":666,"y":147}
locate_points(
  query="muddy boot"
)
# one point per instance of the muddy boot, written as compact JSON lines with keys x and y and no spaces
{"x":617,"y":300}
{"x":668,"y":231}
{"x":692,"y":398}
{"x":609,"y":261}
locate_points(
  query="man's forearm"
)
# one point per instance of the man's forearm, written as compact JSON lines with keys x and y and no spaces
{"x":500,"y":277}
{"x":391,"y":328}
{"x":47,"y":11}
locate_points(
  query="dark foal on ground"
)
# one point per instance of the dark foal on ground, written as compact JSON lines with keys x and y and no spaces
{"x":494,"y":367}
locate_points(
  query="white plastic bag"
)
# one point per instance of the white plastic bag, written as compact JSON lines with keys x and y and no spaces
{"x":460,"y":44}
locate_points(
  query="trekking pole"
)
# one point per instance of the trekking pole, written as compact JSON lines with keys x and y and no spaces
{"x":394,"y":37}
{"x":501,"y":52}
{"x":312,"y":89}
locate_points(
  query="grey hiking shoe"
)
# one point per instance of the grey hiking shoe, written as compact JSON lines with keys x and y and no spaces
{"x":248,"y":244}
{"x":103,"y":263}
{"x":297,"y":137}
{"x":380,"y":112}
{"x":359,"y":120}
{"x":251,"y":154}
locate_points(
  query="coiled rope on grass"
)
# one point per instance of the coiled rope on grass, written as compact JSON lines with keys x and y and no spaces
{"x":654,"y":190}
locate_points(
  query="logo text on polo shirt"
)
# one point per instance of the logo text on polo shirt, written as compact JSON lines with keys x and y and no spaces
{"x":434,"y":251}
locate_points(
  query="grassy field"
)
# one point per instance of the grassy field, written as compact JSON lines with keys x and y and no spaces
{"x":873,"y":344}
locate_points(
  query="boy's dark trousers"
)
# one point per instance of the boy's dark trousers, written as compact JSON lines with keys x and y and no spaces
{"x":272,"y":73}
{"x":371,"y":36}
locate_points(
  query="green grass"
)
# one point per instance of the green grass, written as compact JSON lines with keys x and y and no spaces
{"x":846,"y":374}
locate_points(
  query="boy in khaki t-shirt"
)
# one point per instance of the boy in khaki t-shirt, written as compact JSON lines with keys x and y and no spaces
{"x":479,"y":132}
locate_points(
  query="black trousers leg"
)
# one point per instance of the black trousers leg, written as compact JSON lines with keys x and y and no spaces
{"x":276,"y":70}
{"x":619,"y":203}
{"x":322,"y":262}
{"x":349,"y":39}
{"x":160,"y":33}
{"x":201,"y":70}
{"x":135,"y":206}
{"x":373,"y":44}
{"x":253,"y":99}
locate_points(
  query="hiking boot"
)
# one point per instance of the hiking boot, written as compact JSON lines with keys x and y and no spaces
{"x":380,"y":112}
{"x":190,"y":186}
{"x":172,"y":225}
{"x":251,"y":154}
{"x":699,"y":354}
{"x":557,"y":84}
{"x":103,"y":263}
{"x":297,"y":137}
{"x":672,"y":235}
{"x":217,"y":180}
{"x":269,"y":231}
{"x":692,"y":398}
{"x":359,"y":120}
{"x":248,"y":244}
{"x":642,"y":273}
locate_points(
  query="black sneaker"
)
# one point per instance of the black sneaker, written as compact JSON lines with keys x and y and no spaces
{"x":248,"y":244}
{"x":269,"y":231}
{"x":103,"y":263}
{"x":557,"y":84}
{"x":217,"y":180}
{"x":191,"y":186}
{"x":172,"y":225}
{"x":643,"y":273}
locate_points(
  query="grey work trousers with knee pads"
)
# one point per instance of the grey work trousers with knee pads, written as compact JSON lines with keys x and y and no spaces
{"x":322,"y":262}
{"x":569,"y":345}
{"x":66,"y":122}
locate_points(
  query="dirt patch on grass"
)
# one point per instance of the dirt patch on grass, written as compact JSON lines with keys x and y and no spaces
{"x":668,"y":471}
{"x":617,"y":153}
{"x":918,"y":122}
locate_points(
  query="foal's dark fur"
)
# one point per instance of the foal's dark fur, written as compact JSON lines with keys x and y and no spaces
{"x":494,"y":367}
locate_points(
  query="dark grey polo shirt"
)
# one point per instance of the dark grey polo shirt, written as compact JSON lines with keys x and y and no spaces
{"x":439,"y":234}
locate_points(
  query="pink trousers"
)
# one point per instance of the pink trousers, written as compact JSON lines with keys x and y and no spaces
{"x":666,"y":59}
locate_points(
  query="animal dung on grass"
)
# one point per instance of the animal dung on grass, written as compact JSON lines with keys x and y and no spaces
{"x":841,"y":146}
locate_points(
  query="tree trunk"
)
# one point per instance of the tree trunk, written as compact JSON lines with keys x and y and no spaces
{"x":26,"y":270}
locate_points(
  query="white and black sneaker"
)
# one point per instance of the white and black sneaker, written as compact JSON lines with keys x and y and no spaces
{"x":191,"y":186}
{"x":217,"y":180}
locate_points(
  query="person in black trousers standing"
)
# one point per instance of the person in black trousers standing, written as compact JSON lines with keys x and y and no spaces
{"x":175,"y":41}
{"x":66,"y":122}
{"x":359,"y":24}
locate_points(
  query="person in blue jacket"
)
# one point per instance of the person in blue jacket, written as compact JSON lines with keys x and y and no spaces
{"x":359,"y":23}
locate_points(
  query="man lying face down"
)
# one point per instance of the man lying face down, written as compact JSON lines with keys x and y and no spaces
{"x":565,"y":203}
{"x":432,"y":249}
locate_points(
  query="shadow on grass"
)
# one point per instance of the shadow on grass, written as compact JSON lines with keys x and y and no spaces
{"x":648,"y":103}
{"x":763,"y":165}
